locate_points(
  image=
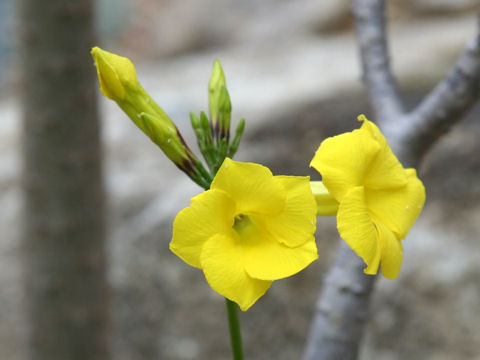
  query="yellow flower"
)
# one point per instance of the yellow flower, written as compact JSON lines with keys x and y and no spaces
{"x":378,"y":199}
{"x":249,"y":229}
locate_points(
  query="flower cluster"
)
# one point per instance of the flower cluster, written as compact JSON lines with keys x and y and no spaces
{"x":249,"y":227}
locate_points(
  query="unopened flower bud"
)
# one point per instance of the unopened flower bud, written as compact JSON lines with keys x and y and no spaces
{"x":116,"y":74}
{"x":217,"y":81}
{"x":118,"y":81}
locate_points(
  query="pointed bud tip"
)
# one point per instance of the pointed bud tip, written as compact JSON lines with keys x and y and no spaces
{"x":217,"y":66}
{"x":217,"y":79}
{"x":95,"y":50}
{"x":362,"y":117}
{"x":241,"y":125}
{"x":195,"y":121}
{"x":116,"y":74}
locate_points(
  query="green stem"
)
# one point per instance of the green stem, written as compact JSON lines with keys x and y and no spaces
{"x":235,"y":334}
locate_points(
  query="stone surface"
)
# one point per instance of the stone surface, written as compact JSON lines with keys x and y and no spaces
{"x":443,"y":6}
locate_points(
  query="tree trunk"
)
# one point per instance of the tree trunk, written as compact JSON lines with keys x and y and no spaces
{"x":63,"y":241}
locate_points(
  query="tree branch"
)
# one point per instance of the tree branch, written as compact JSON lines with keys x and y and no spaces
{"x":442,"y":108}
{"x":336,"y":330}
{"x":342,"y":307}
{"x":63,"y":245}
{"x":370,"y":28}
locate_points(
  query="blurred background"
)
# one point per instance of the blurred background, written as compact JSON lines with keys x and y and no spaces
{"x":292,"y":70}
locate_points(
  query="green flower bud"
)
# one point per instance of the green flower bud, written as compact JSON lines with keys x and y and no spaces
{"x":217,"y":81}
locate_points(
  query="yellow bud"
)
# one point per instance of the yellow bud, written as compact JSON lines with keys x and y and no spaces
{"x":118,"y":81}
{"x":116,"y":74}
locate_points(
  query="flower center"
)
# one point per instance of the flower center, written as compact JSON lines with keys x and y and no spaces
{"x":244,"y":225}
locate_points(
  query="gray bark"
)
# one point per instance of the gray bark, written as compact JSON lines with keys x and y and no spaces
{"x":342,"y":307}
{"x":415,"y":133}
{"x":335,"y":329}
{"x":370,"y":27}
{"x":63,"y":240}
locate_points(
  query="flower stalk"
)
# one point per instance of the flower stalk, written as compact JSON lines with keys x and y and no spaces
{"x":234,"y":327}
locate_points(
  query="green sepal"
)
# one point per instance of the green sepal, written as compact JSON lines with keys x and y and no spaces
{"x":173,"y":146}
{"x":225,"y":113}
{"x":222,"y":151}
{"x":207,"y":177}
{"x":206,"y":145}
{"x":236,"y":139}
{"x":194,"y":120}
{"x":205,"y":125}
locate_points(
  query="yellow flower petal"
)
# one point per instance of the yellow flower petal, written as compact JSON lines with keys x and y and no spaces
{"x":373,"y":130}
{"x":251,"y":186}
{"x":210,"y":213}
{"x":391,"y":252}
{"x":357,"y":229}
{"x":372,"y":268}
{"x":222,"y":261}
{"x":295,"y":224}
{"x":385,"y":171}
{"x":267,"y":259}
{"x":327,"y":205}
{"x":344,"y":160}
{"x":397,"y":208}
